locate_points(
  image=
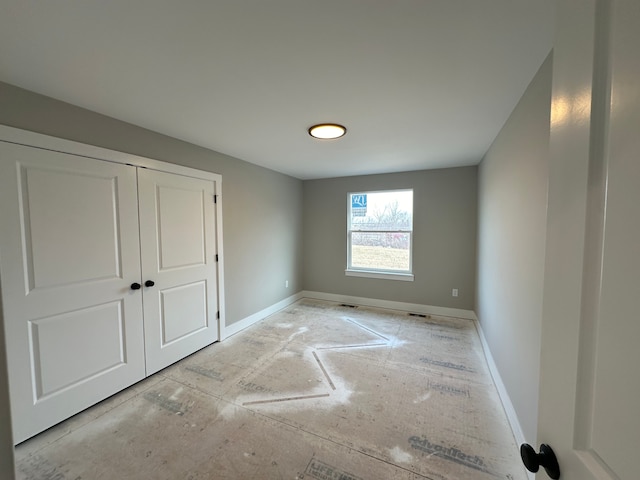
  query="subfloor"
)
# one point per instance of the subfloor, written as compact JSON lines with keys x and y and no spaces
{"x":315,"y":391}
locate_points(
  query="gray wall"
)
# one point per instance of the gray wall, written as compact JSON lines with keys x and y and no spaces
{"x":444,"y":252}
{"x":512,"y":212}
{"x":262,"y":209}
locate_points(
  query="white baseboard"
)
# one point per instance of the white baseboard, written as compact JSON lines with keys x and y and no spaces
{"x":512,"y":417}
{"x":391,"y":305}
{"x":227,"y":331}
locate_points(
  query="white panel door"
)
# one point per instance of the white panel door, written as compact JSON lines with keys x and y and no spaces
{"x":590,"y":376}
{"x":69,"y":251}
{"x":178,"y":242}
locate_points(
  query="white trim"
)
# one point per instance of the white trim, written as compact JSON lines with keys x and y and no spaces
{"x":507,"y":404}
{"x":350,"y":231}
{"x":391,"y":305}
{"x":220,"y":254}
{"x":227,"y":331}
{"x":46,"y":142}
{"x":406,"y":277}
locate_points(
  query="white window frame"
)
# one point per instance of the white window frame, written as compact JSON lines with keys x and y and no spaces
{"x":351,"y":271}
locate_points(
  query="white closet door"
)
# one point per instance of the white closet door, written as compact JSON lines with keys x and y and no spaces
{"x":178,"y":243}
{"x":69,"y":251}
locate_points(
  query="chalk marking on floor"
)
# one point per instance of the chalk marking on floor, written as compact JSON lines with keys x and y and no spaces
{"x":367,"y":329}
{"x":363,"y":345}
{"x":286,"y":399}
{"x":333,"y":387}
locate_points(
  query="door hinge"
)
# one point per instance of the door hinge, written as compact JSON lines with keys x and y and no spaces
{"x":216,"y":257}
{"x":215,"y":199}
{"x":218,"y":315}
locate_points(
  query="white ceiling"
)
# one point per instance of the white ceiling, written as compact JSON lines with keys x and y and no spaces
{"x":418,"y":83}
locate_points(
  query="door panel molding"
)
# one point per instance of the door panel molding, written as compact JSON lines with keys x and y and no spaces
{"x":54,"y":357}
{"x":46,"y":386}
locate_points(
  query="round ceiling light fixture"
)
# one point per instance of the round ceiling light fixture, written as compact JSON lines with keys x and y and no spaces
{"x":326,"y":131}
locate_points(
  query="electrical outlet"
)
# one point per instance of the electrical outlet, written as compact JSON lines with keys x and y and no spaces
{"x":454,"y":292}
{"x":286,"y":284}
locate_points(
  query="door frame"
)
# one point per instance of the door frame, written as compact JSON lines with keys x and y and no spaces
{"x":46,"y":142}
{"x":582,"y":87}
{"x":7,"y":466}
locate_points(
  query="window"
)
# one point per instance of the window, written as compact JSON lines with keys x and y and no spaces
{"x":379,"y":234}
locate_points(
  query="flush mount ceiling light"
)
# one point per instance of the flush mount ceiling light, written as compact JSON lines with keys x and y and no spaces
{"x":325,"y":131}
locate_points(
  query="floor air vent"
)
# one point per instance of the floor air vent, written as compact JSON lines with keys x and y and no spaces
{"x":421,"y":315}
{"x":348,"y":306}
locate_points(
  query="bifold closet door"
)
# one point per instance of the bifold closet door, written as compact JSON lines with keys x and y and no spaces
{"x":179,"y":270}
{"x":69,"y":253}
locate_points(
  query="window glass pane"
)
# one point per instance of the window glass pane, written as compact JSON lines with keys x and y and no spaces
{"x":380,"y":226}
{"x":391,"y":210}
{"x":381,"y":251}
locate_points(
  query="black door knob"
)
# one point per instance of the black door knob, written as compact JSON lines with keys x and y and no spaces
{"x":149,"y":283}
{"x":546,"y":459}
{"x":135,"y":286}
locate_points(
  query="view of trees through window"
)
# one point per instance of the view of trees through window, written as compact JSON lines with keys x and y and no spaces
{"x":380,"y":230}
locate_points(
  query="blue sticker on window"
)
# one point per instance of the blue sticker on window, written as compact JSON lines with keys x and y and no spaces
{"x":359,"y":201}
{"x":359,"y":205}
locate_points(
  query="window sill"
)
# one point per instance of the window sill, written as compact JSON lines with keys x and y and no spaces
{"x":405,"y":277}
